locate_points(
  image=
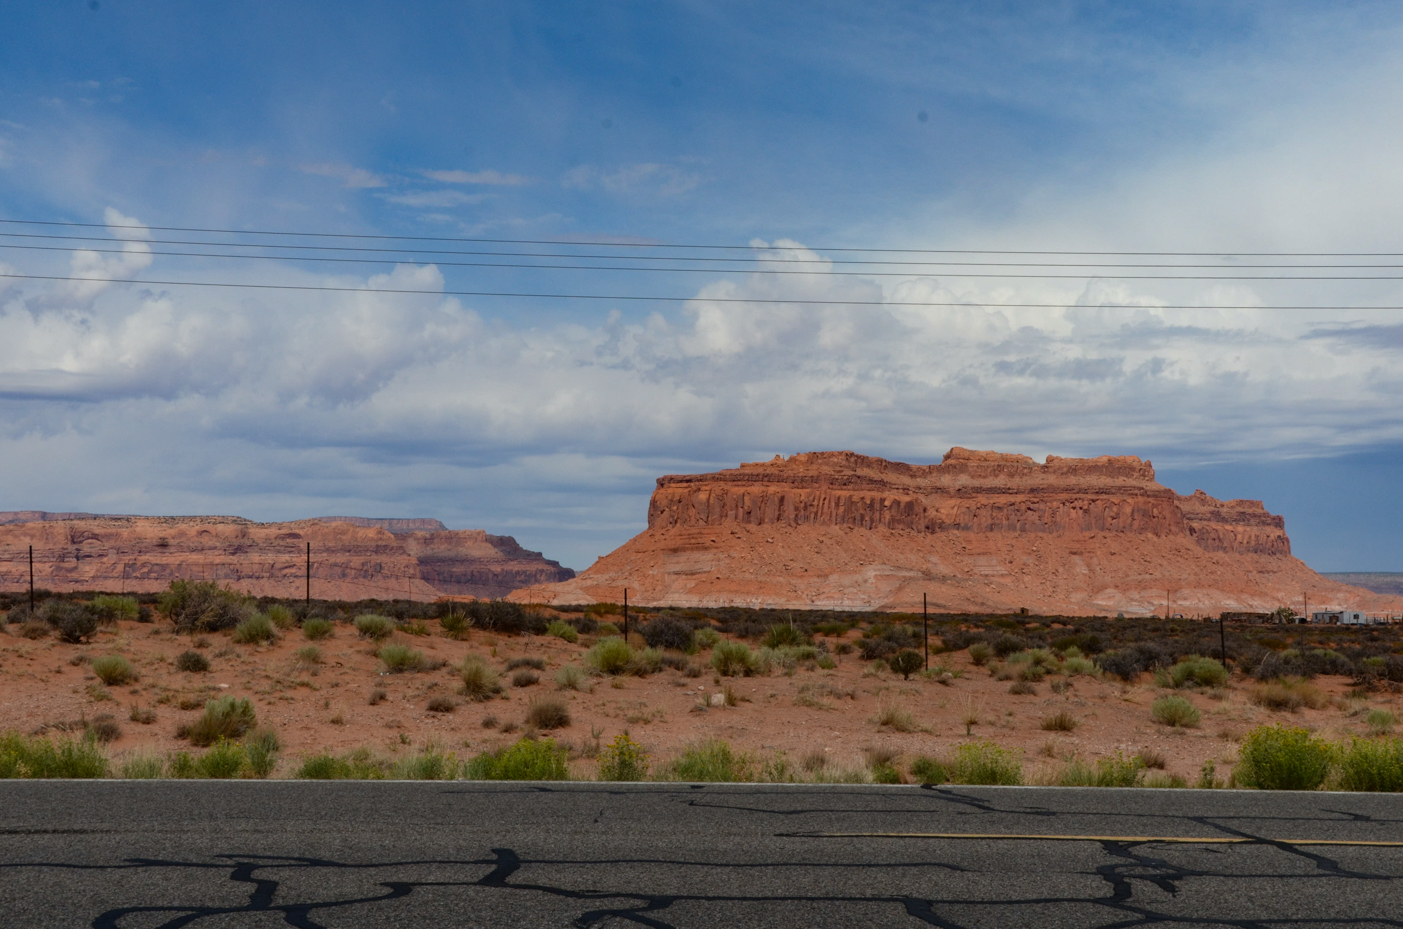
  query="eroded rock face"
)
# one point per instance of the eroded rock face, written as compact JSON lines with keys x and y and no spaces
{"x":979,"y":531}
{"x":363,"y":558}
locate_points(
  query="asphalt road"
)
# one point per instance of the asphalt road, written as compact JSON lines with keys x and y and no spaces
{"x":343,"y":854}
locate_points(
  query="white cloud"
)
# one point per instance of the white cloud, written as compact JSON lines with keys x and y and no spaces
{"x":647,"y":178}
{"x":438,"y":199}
{"x":355,"y":178}
{"x":496,"y":178}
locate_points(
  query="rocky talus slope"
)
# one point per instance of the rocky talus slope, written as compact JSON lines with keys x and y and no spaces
{"x":981,"y":531}
{"x":351,"y":557}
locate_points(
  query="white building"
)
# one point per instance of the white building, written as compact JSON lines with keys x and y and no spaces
{"x":1354,"y":618}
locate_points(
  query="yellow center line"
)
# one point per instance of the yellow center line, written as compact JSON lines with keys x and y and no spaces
{"x":1177,"y":839}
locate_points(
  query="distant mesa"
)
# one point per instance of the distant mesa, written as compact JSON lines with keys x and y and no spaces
{"x":352,"y":557}
{"x":981,"y":531}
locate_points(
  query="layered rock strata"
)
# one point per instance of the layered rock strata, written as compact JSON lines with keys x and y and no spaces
{"x":981,"y":531}
{"x":351,"y":558}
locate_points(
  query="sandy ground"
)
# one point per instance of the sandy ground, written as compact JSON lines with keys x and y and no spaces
{"x":327,"y":706}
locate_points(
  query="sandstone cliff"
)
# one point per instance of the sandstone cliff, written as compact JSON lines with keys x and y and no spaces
{"x":981,"y":531}
{"x":352,"y":558}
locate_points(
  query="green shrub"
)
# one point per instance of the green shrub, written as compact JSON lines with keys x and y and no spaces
{"x":527,"y":760}
{"x":428,"y":765}
{"x":705,"y":637}
{"x":610,"y":656}
{"x":261,"y":750}
{"x":929,"y":771}
{"x":204,"y":606}
{"x":309,"y":655}
{"x":143,"y":767}
{"x":223,"y":761}
{"x":317,"y":629}
{"x":980,"y":652}
{"x":36,"y":757}
{"x":783,"y":634}
{"x":226,"y":718}
{"x":733,"y":659}
{"x":548,"y":713}
{"x":255,"y":630}
{"x":1076,"y":664}
{"x":110,"y":608}
{"x":1282,"y":758}
{"x":281,"y":616}
{"x":479,"y":680}
{"x":1195,"y":671}
{"x":984,"y":762}
{"x":1115,"y":771}
{"x":455,"y":624}
{"x":1380,"y":721}
{"x":373,"y":626}
{"x":711,"y":762}
{"x":114,"y":670}
{"x":1175,"y":711}
{"x":623,"y":760}
{"x":563,"y":630}
{"x":906,"y":662}
{"x":191,"y":661}
{"x":608,"y":629}
{"x":74,"y":622}
{"x":1372,"y":765}
{"x":401,"y":658}
{"x":324,"y":767}
{"x":359,"y":765}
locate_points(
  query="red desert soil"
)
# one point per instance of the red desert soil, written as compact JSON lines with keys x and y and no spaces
{"x":979,"y":532}
{"x":352,"y":558}
{"x":326,"y":707}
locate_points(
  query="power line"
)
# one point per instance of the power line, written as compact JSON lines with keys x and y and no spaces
{"x":712,"y":270}
{"x":666,"y":270}
{"x":582,"y":256}
{"x":913,"y":251}
{"x":673,"y":299}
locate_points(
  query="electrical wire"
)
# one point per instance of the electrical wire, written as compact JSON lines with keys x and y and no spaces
{"x":678,"y":245}
{"x":674,"y":299}
{"x":584,"y":256}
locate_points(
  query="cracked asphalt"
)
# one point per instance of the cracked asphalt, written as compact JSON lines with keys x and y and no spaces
{"x":145,"y":854}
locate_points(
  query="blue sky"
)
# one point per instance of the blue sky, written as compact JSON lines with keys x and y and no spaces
{"x":800,"y":128}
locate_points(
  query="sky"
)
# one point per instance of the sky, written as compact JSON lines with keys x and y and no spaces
{"x":791,"y":133}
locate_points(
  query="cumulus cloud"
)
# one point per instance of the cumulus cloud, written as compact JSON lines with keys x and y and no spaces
{"x":495,"y":178}
{"x":638,"y":179}
{"x":349,"y":176}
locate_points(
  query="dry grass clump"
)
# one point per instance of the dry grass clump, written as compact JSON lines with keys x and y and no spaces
{"x":733,"y":659}
{"x":895,"y":717}
{"x":1380,"y":721}
{"x":525,"y":678}
{"x":1061,"y":721}
{"x":572,"y":677}
{"x":226,"y":718}
{"x":401,"y":658}
{"x":378,"y":696}
{"x":479,"y":681}
{"x":316,"y":629}
{"x":1151,"y":758}
{"x":535,"y":664}
{"x":373,"y":626}
{"x":548,"y":713}
{"x":255,"y":630}
{"x":1289,"y":695}
{"x":442,"y":704}
{"x":1022,"y":689}
{"x":114,"y":670}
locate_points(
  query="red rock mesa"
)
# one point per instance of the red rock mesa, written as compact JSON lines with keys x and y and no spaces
{"x":352,"y":557}
{"x":981,"y":531}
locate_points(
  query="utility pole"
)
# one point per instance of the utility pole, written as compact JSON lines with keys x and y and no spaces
{"x":1222,"y":642}
{"x":309,"y":573}
{"x":925,"y":629}
{"x":31,"y":581}
{"x":1305,"y":608}
{"x":625,"y":614}
{"x":1168,"y":603}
